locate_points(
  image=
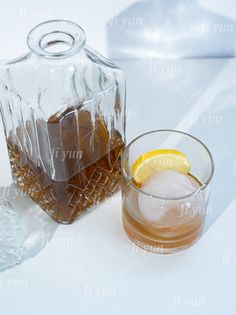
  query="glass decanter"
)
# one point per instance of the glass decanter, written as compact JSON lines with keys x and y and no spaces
{"x":63,"y":110}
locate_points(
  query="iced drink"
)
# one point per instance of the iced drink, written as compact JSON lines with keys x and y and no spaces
{"x":161,"y":224}
{"x":166,"y":190}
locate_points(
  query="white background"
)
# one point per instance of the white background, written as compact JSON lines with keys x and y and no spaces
{"x":90,"y":267}
{"x":18,"y":17}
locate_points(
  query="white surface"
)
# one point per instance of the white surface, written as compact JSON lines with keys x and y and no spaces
{"x":18,"y":17}
{"x":90,"y":267}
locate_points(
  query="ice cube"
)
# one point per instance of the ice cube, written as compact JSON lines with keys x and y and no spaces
{"x":168,"y":184}
{"x":12,"y":241}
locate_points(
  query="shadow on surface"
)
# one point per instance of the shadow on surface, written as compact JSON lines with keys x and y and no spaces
{"x":143,"y":40}
{"x":170,"y":29}
{"x":217,"y":128}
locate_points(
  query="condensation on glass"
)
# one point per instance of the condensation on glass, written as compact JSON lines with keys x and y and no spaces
{"x":63,"y":109}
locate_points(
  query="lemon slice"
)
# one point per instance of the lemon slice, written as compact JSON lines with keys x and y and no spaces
{"x":157,"y":160}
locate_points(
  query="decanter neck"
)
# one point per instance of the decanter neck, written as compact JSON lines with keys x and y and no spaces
{"x":56,"y":39}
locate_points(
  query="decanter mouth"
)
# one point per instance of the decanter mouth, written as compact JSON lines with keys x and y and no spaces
{"x":56,"y":39}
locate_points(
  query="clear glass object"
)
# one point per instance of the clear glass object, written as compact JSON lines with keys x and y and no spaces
{"x":63,"y":109}
{"x":173,"y":219}
{"x":12,"y":239}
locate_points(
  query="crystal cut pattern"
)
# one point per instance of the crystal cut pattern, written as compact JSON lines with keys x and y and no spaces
{"x":12,"y":240}
{"x":64,"y":118}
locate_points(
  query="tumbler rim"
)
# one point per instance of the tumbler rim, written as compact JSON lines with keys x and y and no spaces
{"x":139,"y":190}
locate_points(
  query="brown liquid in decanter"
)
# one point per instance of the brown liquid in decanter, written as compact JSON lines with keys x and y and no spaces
{"x":81,"y":168}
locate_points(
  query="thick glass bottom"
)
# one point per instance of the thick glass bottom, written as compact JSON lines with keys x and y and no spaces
{"x":159,"y":243}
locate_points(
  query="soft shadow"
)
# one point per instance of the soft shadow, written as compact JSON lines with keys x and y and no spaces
{"x":217,"y":128}
{"x":161,"y":92}
{"x":37,"y":226}
{"x":170,"y":29}
{"x":147,"y":40}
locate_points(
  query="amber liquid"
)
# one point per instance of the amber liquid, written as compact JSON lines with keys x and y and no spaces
{"x":86,"y":159}
{"x":173,"y":233}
